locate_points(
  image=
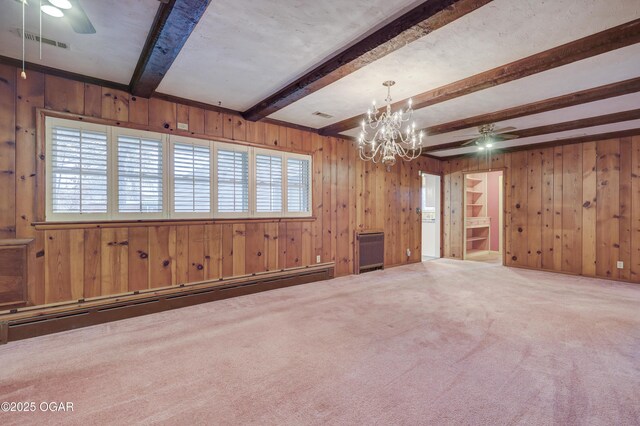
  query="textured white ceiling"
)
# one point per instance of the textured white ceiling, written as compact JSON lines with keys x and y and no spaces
{"x":607,"y":68}
{"x":603,"y":69}
{"x":498,"y":33}
{"x":242,"y":51}
{"x":110,"y":54}
{"x":591,"y":109}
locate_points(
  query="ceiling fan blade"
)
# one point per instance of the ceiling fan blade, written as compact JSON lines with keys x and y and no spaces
{"x":469,"y":142}
{"x":505,"y":136}
{"x":504,"y":129}
{"x":79,"y":20}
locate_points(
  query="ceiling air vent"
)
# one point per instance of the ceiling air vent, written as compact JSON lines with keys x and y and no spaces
{"x":322,"y":114}
{"x":35,"y":37}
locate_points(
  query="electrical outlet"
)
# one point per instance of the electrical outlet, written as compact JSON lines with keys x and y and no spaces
{"x":408,"y":252}
{"x":183,"y":126}
{"x":620,"y":264}
{"x":318,"y":259}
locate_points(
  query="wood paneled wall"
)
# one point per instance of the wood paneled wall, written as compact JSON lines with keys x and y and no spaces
{"x":69,"y":264}
{"x":572,"y":208}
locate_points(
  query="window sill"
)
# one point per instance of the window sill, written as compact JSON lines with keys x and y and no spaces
{"x":43,"y":226}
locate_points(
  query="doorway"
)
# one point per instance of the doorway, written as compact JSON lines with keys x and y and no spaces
{"x":430,"y":209}
{"x":483,"y":216}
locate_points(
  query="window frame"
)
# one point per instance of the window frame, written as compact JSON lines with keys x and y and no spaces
{"x":171,"y":189}
{"x":308,"y":157}
{"x":114,"y":194}
{"x":253,"y":192}
{"x":236,"y":148}
{"x":50,"y":123}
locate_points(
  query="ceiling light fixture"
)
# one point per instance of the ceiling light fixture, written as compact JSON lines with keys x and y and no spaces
{"x":52,"y":11}
{"x":61,"y":4}
{"x":389,"y":139}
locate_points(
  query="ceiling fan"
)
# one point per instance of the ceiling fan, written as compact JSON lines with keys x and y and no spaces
{"x":71,"y":10}
{"x":488,"y":135}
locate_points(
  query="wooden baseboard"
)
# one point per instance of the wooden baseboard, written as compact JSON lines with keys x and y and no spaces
{"x":32,"y":322}
{"x":575,"y":274}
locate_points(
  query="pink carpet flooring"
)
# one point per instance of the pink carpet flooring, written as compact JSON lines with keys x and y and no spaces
{"x":443,"y":342}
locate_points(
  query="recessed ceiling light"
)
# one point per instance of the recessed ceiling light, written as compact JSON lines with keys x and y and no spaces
{"x":61,"y":4}
{"x":52,"y":11}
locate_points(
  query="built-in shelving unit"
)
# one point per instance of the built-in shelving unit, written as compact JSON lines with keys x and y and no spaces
{"x":477,"y":223}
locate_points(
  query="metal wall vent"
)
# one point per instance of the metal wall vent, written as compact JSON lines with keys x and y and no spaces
{"x":35,"y":37}
{"x":322,"y":114}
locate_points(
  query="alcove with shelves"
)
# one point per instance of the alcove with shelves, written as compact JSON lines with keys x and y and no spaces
{"x":477,"y":222}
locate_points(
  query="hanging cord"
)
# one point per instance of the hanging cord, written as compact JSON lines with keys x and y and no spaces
{"x":40,"y":17}
{"x":23,"y":74}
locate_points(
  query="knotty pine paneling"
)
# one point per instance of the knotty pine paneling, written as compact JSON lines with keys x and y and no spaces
{"x":70,"y":264}
{"x":572,"y":208}
{"x":7,"y":151}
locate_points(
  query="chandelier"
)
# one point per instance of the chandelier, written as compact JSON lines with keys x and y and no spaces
{"x":388,"y":138}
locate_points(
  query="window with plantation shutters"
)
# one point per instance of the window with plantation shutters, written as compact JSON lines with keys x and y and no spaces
{"x":98,"y":172}
{"x":78,"y":171}
{"x":232,"y":169}
{"x":140,"y":175}
{"x":191,"y":178}
{"x":268,"y":183}
{"x":298,"y":185}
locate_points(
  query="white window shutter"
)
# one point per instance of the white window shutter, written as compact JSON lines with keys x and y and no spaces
{"x":233,"y":181}
{"x":78,"y":171}
{"x":140,"y":175}
{"x":298,"y":185}
{"x":191,"y":178}
{"x":268,"y":183}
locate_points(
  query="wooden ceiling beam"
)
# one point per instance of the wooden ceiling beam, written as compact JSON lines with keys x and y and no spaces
{"x":558,"y":142}
{"x":416,"y":23}
{"x":587,"y":47}
{"x":174,"y":22}
{"x":572,"y":99}
{"x":617,"y":117}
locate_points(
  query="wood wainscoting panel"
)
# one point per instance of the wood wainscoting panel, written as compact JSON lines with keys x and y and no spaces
{"x":13,"y":272}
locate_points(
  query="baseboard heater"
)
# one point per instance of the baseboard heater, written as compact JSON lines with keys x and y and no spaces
{"x":24,"y":323}
{"x":369,"y":251}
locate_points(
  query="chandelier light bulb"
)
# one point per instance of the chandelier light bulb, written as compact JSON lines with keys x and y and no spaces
{"x":61,"y":4}
{"x":52,"y":11}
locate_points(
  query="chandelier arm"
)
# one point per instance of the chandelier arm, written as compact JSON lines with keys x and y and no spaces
{"x":386,"y":135}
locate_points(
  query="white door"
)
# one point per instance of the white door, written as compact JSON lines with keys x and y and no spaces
{"x":430,"y":216}
{"x":501,"y":208}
